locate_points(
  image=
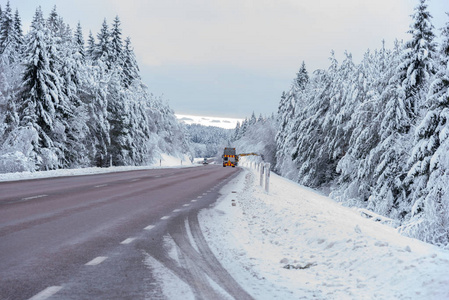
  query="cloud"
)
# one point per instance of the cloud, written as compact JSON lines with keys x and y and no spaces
{"x":261,"y":34}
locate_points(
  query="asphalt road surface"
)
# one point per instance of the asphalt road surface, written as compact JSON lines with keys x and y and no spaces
{"x":97,"y":236}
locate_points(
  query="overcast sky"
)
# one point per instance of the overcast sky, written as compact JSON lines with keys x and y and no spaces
{"x":232,"y":57}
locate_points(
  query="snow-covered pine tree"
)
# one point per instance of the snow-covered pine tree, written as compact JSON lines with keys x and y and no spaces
{"x":90,"y":46}
{"x":243,"y":129}
{"x":130,"y":69}
{"x":417,"y":63}
{"x":356,"y":168}
{"x":79,"y":41}
{"x":291,"y":103}
{"x":102,"y":50}
{"x":42,"y":95}
{"x":307,"y":153}
{"x":11,"y":38}
{"x":6,"y":28}
{"x":236,"y":131}
{"x":95,"y":96}
{"x":390,"y":154}
{"x":252,"y":120}
{"x":139,"y":127}
{"x":428,"y":175}
{"x":302,"y":77}
{"x":116,"y":43}
{"x":405,"y":100}
{"x":18,"y":33}
{"x":343,"y":101}
{"x":119,"y":118}
{"x":73,"y":75}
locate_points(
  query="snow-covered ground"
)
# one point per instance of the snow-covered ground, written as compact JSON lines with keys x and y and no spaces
{"x":294,"y":243}
{"x":166,"y":161}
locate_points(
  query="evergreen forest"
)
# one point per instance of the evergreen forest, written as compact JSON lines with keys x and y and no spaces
{"x":373,"y":134}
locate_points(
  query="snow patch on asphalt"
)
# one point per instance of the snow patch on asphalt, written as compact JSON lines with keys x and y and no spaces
{"x":294,"y":243}
{"x":172,"y":287}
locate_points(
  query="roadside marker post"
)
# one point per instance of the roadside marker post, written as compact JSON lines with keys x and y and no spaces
{"x":261,"y":175}
{"x":267,"y":177}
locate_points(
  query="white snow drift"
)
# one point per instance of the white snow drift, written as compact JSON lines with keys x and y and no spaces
{"x":296,"y":244}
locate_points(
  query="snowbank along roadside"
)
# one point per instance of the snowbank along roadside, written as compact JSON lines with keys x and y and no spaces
{"x":165,"y":161}
{"x":294,"y":243}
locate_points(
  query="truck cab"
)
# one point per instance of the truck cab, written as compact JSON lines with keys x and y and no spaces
{"x":230,"y":157}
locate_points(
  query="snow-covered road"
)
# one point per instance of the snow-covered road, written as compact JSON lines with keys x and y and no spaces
{"x":296,"y":244}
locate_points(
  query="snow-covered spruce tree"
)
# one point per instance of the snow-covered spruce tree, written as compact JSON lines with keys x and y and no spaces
{"x":95,"y":96}
{"x":78,"y":41}
{"x":90,"y":50}
{"x":119,"y":120}
{"x":356,"y":168}
{"x":11,"y":43}
{"x":291,"y":102}
{"x":70,"y":128}
{"x":253,"y":119}
{"x":428,"y":176}
{"x":311,"y":159}
{"x":42,"y":95}
{"x":116,"y":42}
{"x":417,"y":62}
{"x":406,"y":93}
{"x":139,"y":127}
{"x":103,"y":50}
{"x":6,"y":28}
{"x":243,"y":129}
{"x":236,"y":131}
{"x":11,"y":37}
{"x":130,"y":69}
{"x":390,"y":155}
{"x":344,"y":99}
{"x":73,"y":75}
{"x":137,"y":95}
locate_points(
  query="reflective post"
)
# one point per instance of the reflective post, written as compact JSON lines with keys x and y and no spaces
{"x":267,"y":177}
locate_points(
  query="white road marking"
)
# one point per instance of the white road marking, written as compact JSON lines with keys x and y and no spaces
{"x":165,"y":217}
{"x":176,"y":210}
{"x":100,"y":185}
{"x":33,"y":197}
{"x":199,"y":197}
{"x":134,"y":180}
{"x":185,"y":205}
{"x":128,"y":241}
{"x":157,"y":176}
{"x":47,"y":293}
{"x":193,"y":200}
{"x":96,"y":261}
{"x":204,"y":194}
{"x":149,"y":227}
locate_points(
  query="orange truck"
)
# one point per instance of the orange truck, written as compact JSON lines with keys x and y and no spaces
{"x":230,"y":158}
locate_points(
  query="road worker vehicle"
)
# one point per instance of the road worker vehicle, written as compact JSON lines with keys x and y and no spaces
{"x":230,"y":158}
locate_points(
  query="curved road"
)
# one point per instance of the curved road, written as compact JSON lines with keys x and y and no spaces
{"x":93,"y":237}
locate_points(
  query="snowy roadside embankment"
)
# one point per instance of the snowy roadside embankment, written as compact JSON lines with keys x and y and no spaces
{"x":166,"y":161}
{"x":296,"y":244}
